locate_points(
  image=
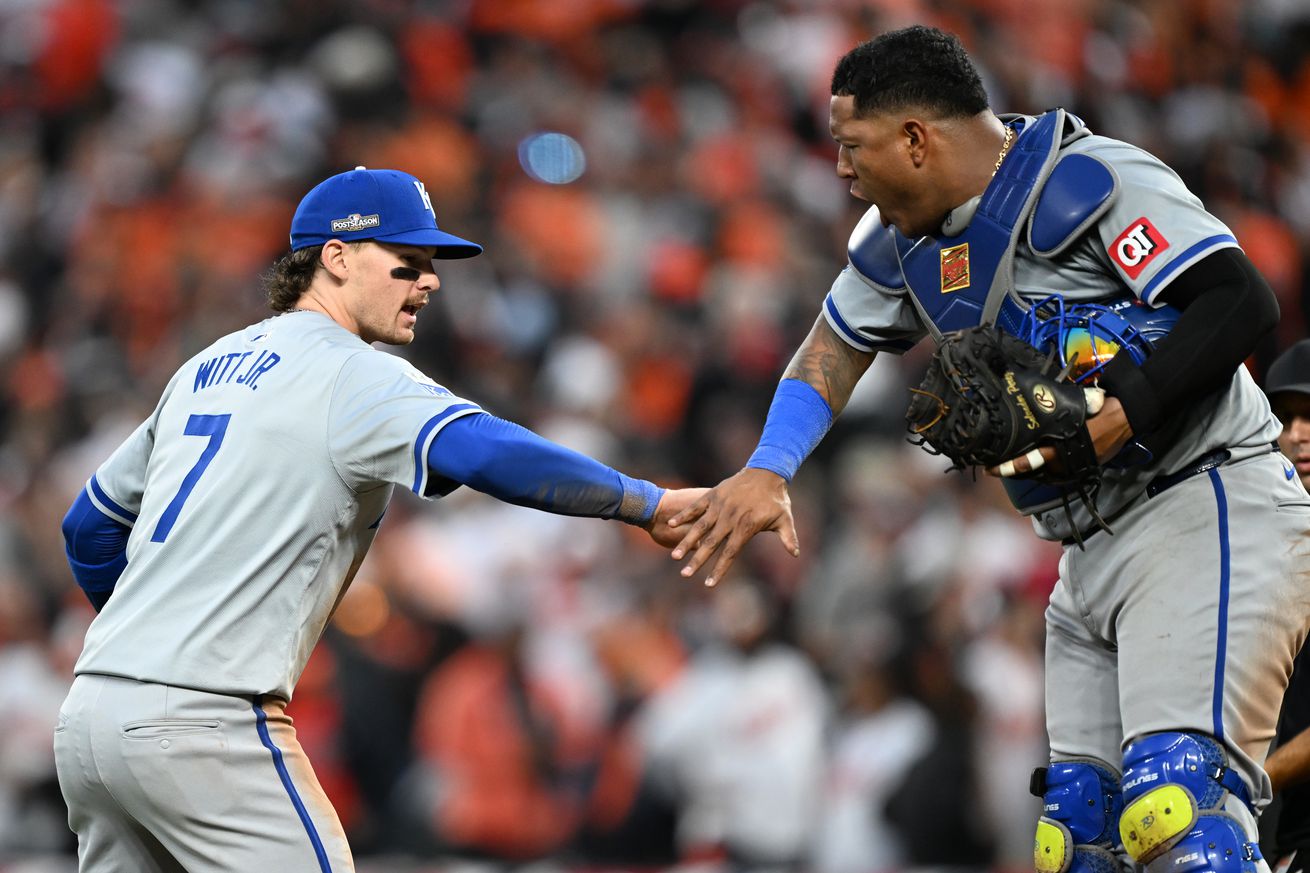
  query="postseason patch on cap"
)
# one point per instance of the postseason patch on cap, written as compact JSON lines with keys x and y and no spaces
{"x":355,"y":222}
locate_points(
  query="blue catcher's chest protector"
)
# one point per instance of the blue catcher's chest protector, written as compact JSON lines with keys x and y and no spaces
{"x":961,"y":281}
{"x":956,"y":282}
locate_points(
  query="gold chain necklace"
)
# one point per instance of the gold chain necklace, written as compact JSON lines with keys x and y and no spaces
{"x":1005,"y":149}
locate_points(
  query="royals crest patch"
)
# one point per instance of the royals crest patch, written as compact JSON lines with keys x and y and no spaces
{"x":955,"y":268}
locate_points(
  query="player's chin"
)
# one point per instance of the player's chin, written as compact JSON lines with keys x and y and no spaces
{"x":404,"y":328}
{"x":396,"y":336}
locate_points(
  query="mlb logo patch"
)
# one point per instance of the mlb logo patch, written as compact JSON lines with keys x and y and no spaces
{"x":1137,"y":246}
{"x":955,"y":268}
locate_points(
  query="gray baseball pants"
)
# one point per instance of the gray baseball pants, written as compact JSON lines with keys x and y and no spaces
{"x":160,"y":778}
{"x":1187,"y":619}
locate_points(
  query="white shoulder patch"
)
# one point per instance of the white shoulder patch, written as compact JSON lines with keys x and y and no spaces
{"x":425,"y":381}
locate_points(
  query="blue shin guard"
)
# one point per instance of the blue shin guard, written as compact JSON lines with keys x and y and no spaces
{"x":1175,"y":788}
{"x":1081,"y":804}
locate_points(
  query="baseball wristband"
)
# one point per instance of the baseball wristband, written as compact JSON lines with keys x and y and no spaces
{"x":798,"y":419}
{"x":640,"y":500}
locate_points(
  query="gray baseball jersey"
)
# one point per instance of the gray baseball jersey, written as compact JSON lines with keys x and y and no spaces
{"x":1186,"y":619}
{"x":1154,"y":230}
{"x":254,"y":492}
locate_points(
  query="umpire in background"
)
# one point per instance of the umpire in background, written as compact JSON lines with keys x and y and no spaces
{"x":1288,"y":830}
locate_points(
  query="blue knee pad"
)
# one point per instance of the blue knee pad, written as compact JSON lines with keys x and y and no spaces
{"x":1174,"y":786}
{"x":1078,"y":830}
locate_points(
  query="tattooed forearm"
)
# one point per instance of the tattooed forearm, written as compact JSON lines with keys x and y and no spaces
{"x":829,"y":365}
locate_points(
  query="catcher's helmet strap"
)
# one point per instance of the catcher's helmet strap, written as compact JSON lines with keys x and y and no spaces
{"x":1078,"y":192}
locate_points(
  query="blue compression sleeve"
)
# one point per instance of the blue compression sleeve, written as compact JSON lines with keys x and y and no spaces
{"x":96,"y":546}
{"x":798,"y":419}
{"x":513,"y":464}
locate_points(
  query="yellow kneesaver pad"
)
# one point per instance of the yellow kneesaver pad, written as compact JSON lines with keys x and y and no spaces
{"x":1052,"y":847}
{"x":1150,"y":823}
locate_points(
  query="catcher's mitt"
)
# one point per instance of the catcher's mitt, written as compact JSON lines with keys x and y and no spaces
{"x":989,"y":398}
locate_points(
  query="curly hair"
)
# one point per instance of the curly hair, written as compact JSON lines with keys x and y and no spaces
{"x":291,"y":274}
{"x":289,"y":277}
{"x":916,"y":66}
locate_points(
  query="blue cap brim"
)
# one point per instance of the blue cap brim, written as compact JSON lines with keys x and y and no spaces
{"x":449,"y":247}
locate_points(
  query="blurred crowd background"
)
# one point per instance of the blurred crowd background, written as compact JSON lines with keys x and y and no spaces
{"x":503,"y":687}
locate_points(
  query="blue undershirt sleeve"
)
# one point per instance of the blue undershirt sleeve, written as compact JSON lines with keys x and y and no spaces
{"x":96,"y":546}
{"x":798,"y":419}
{"x":513,"y":464}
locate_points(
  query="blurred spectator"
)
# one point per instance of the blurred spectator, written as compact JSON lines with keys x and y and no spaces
{"x":881,"y":733}
{"x":505,"y":769}
{"x":36,"y":664}
{"x":632,"y":819}
{"x":738,"y":706}
{"x":951,"y":762}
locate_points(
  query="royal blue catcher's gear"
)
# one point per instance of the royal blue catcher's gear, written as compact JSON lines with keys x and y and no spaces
{"x":1078,"y":830}
{"x":1085,"y":337}
{"x":1175,"y":785}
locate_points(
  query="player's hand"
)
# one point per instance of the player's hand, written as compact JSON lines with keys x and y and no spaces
{"x":1108,"y":428}
{"x":728,"y":516}
{"x":675,"y":500}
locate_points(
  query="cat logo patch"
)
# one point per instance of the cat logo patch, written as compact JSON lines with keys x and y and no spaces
{"x":955,"y":268}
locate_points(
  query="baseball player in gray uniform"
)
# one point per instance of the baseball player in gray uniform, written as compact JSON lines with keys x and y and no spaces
{"x":217,"y":540}
{"x":1169,"y":641}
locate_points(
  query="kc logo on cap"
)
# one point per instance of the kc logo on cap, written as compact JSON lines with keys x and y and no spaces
{"x":383,"y":205}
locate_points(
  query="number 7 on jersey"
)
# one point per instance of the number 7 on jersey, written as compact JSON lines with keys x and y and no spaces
{"x":214,"y":427}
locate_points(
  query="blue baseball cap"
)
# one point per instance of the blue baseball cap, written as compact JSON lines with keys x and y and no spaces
{"x":383,"y":205}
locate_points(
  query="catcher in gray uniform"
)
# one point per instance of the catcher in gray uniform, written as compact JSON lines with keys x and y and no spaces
{"x":217,"y":540}
{"x":1169,"y":639}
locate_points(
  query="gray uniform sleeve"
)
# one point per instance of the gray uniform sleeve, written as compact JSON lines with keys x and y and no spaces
{"x":1156,"y":228}
{"x":118,"y":486}
{"x":383,"y":417}
{"x":869,"y":316}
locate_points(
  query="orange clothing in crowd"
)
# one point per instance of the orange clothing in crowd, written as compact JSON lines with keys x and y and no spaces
{"x":495,"y":794}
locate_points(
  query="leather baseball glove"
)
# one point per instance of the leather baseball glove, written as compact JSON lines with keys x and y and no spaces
{"x":989,"y":398}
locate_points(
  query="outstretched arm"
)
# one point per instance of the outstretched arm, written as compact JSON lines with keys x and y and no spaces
{"x":513,"y":464}
{"x":829,"y":365}
{"x":815,"y":388}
